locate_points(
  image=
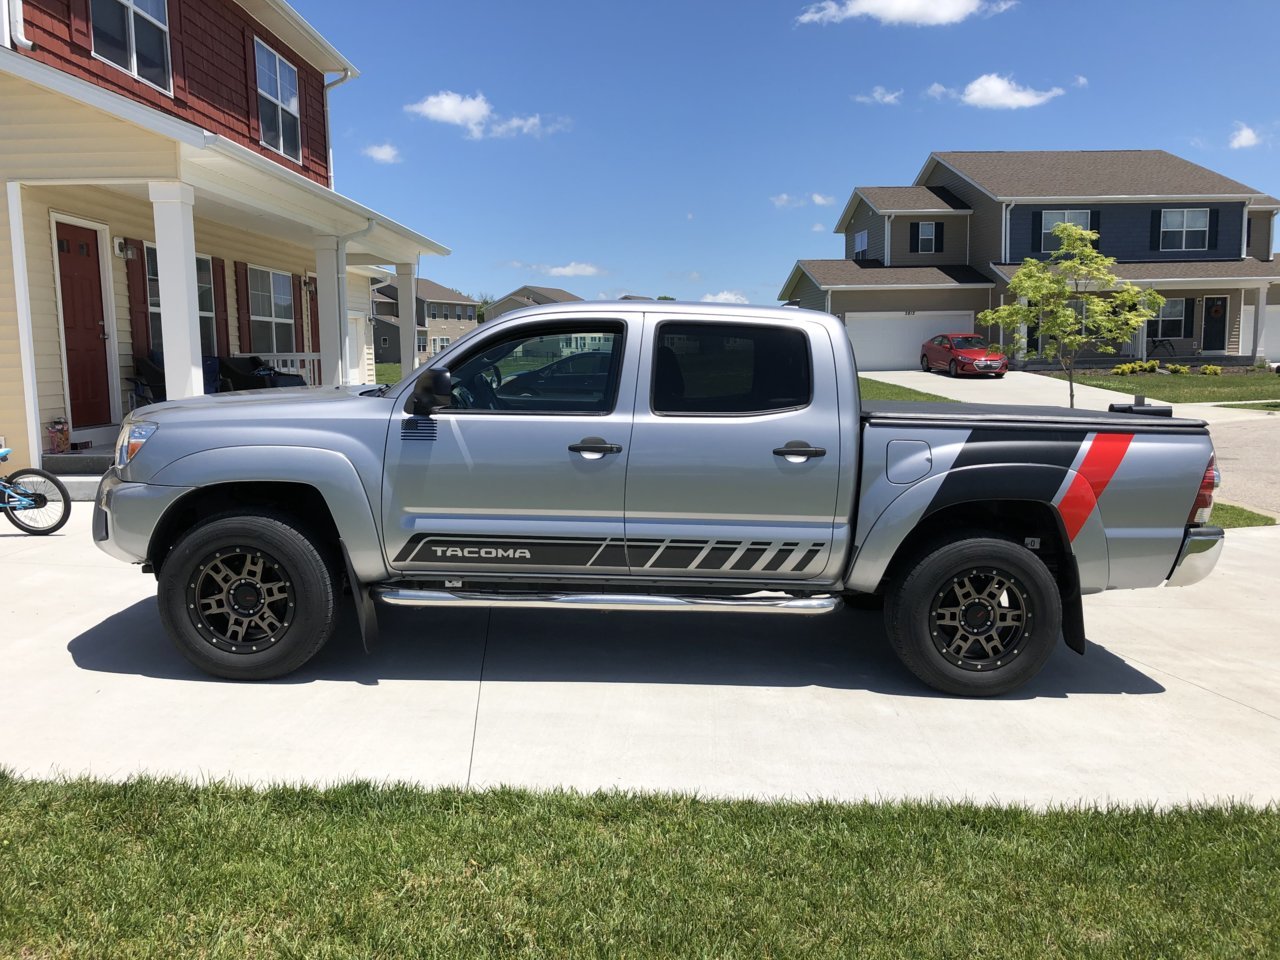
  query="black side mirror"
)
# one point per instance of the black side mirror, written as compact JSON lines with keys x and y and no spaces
{"x":432,"y":391}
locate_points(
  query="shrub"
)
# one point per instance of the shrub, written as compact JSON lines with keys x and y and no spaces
{"x":1211,"y":370}
{"x":1124,"y":369}
{"x":1178,"y":368}
{"x":1148,"y":366}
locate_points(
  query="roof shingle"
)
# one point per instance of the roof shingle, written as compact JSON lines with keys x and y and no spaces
{"x":912,"y":199}
{"x":872,"y":273}
{"x":1248,"y":269}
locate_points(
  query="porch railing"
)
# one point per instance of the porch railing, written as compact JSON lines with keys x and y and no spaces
{"x":305,"y":364}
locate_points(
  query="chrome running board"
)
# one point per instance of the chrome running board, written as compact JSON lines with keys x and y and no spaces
{"x":749,"y":603}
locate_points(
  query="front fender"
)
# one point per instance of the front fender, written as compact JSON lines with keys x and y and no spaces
{"x":328,"y":471}
{"x":982,"y":483}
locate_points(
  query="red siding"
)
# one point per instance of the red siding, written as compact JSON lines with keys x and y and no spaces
{"x":214,"y":80}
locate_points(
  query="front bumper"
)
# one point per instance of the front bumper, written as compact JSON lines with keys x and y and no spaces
{"x":126,"y":514}
{"x":1201,"y":548}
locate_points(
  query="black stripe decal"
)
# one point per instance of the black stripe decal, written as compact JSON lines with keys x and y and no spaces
{"x":1032,"y":466}
{"x":717,"y":557}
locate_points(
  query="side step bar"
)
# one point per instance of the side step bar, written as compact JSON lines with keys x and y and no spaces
{"x":761,"y":602}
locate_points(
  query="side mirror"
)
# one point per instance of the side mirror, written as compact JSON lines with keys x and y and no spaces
{"x":433,"y":391}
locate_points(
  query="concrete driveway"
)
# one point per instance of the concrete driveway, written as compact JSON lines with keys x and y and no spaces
{"x":1247,"y":441}
{"x":1178,"y":699}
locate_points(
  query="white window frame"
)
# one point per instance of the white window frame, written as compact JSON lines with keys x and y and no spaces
{"x":1051,"y":218}
{"x":922,"y":237}
{"x":1163,"y":317}
{"x":421,"y":342}
{"x":203,"y":316}
{"x":249,"y":348}
{"x":132,"y":69}
{"x":1184,"y":229}
{"x":258,"y":45}
{"x":860,"y":245}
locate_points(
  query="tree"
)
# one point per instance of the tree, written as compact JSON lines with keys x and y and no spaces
{"x":1074,"y":301}
{"x":482,"y":304}
{"x":664,"y":297}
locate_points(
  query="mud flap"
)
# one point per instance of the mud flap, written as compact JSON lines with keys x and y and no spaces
{"x":1072,"y":605}
{"x":366,"y":613}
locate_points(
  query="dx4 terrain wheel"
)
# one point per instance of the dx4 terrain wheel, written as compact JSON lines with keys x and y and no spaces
{"x":247,"y":597}
{"x":976,"y":617}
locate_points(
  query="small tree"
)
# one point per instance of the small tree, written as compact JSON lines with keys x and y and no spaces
{"x":482,"y":304}
{"x":1074,"y":301}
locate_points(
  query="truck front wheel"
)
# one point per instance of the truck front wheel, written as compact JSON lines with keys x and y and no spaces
{"x":975,"y":617}
{"x":247,"y":597}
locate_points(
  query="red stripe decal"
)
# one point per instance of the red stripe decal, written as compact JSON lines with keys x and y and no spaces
{"x":1095,"y":472}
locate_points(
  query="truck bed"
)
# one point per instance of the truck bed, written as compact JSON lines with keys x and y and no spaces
{"x":905,"y":412}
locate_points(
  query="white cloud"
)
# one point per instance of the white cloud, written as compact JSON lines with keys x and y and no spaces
{"x":938,"y":91}
{"x":688,"y":216}
{"x":477,"y":116}
{"x":574,"y":269}
{"x":1245,"y":136}
{"x":818,"y":228}
{"x":994,"y":92}
{"x":724,"y":296}
{"x":784,"y":200}
{"x":382,"y":153}
{"x":822,"y":200}
{"x":695,"y":276}
{"x":925,"y":13}
{"x":1080,"y":81}
{"x":879,"y":94}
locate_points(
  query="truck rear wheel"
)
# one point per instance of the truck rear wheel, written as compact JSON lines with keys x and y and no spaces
{"x":247,"y":597}
{"x":976,"y":617}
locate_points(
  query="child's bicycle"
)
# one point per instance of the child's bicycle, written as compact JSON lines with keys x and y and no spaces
{"x":34,"y":501}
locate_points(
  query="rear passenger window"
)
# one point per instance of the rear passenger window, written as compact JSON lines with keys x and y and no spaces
{"x":722,"y":368}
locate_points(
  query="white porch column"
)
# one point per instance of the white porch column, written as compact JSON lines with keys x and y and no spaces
{"x":332,"y":318}
{"x":407,"y":294}
{"x":1260,"y":326}
{"x":171,"y":207}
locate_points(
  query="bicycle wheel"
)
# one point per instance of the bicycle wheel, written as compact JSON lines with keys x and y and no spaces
{"x":52,"y":503}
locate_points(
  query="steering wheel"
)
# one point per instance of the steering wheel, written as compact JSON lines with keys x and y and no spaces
{"x":483,"y":394}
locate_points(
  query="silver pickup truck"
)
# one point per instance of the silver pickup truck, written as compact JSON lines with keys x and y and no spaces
{"x":687,"y":457}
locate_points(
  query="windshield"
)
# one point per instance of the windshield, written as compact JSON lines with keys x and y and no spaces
{"x":969,"y":343}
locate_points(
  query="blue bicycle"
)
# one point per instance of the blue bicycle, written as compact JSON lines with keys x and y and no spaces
{"x":34,"y":501}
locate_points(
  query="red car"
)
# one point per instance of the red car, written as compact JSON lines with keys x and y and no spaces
{"x":962,"y":353}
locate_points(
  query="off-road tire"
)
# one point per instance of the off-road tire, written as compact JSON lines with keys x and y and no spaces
{"x":919,"y":631}
{"x":286,"y":566}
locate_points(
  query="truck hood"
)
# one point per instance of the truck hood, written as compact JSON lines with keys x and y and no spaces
{"x":274,"y":403}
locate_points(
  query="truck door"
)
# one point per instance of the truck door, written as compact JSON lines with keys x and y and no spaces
{"x":735,"y":451}
{"x":525,"y":473}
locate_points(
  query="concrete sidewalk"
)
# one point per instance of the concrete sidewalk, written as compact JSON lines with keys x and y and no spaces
{"x":1178,"y":699}
{"x":1037,"y":390}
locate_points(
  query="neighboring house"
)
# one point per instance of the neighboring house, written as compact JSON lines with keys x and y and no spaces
{"x":927,"y":258}
{"x":527,"y":297}
{"x":169,"y":200}
{"x":444,"y":315}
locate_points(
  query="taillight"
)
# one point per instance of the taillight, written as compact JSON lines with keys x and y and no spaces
{"x":1203,"y":506}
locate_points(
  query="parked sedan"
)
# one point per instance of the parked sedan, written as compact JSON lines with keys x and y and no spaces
{"x":963,"y":353}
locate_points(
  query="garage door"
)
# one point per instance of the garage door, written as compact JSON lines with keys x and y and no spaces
{"x":1271,"y":337}
{"x":891,"y":341}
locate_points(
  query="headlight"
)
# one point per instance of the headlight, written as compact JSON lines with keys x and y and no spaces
{"x":132,"y":437}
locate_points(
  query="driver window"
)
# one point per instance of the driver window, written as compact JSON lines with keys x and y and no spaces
{"x":572,"y":370}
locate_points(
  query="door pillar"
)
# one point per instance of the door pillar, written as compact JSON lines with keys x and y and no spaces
{"x":407,"y":294}
{"x":171,"y":208}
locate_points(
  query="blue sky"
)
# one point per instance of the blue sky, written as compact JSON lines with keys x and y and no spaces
{"x":700,"y":148}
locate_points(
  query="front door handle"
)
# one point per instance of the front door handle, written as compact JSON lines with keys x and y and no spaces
{"x":593,"y":448}
{"x":798,"y":451}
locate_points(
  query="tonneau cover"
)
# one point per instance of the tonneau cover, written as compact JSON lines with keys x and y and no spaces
{"x":898,"y":411}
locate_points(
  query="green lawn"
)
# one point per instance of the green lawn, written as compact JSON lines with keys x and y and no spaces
{"x":157,"y":869}
{"x":1226,"y":516}
{"x":388,"y":372}
{"x":1269,"y":405}
{"x":870,"y":389}
{"x":1187,"y":388}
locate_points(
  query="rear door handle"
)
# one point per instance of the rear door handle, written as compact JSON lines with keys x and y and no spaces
{"x":798,"y":451}
{"x":593,"y":448}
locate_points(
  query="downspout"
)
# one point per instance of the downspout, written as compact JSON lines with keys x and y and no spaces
{"x":17,"y":28}
{"x":888,"y":238}
{"x":328,"y":138}
{"x":828,"y":301}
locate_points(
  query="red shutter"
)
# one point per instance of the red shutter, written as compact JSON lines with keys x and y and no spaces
{"x":297,"y":313}
{"x":177,"y":39}
{"x":135,"y":272}
{"x":220,"y":320}
{"x":81,"y":31}
{"x":242,"y":306}
{"x":251,"y":78}
{"x":313,"y":306}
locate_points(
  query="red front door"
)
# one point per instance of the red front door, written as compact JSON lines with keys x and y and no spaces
{"x":83,"y":326}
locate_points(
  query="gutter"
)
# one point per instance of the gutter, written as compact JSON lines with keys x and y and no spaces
{"x":17,"y":27}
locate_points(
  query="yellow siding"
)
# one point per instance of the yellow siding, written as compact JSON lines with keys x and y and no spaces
{"x":13,"y":418}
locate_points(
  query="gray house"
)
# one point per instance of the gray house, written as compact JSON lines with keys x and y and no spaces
{"x":443,"y":315}
{"x":927,"y":258}
{"x":528,"y":296}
